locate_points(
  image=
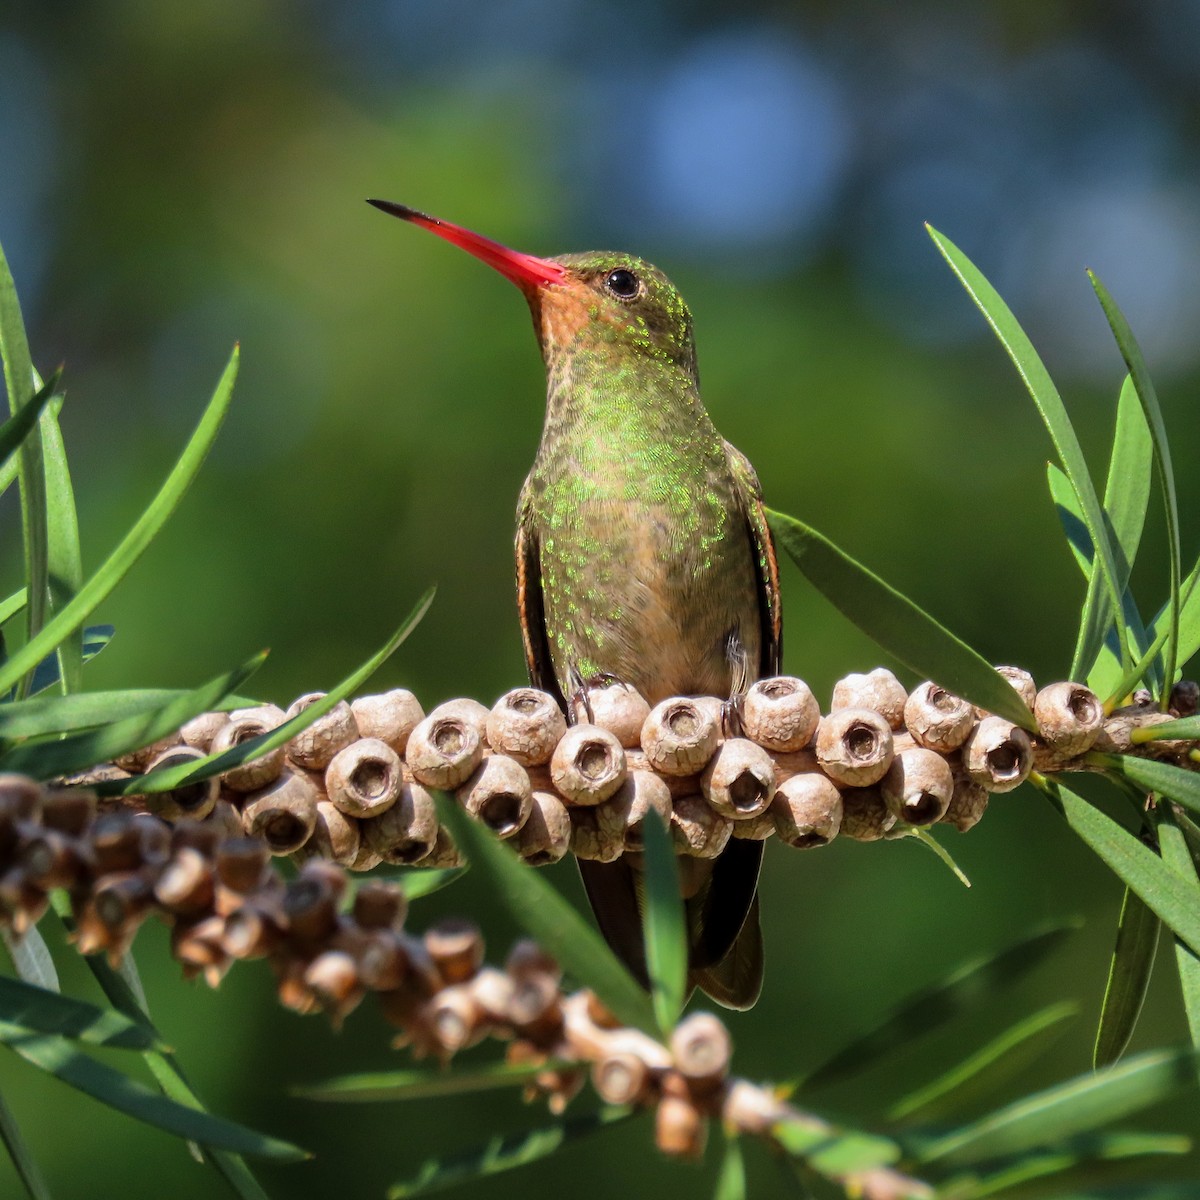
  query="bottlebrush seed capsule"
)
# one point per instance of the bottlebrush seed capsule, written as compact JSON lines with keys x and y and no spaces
{"x":444,"y":750}
{"x":194,"y":800}
{"x":680,"y":1129}
{"x":456,"y":948}
{"x":997,"y":755}
{"x":588,"y":765}
{"x":622,"y":814}
{"x":284,"y":813}
{"x":315,"y":745}
{"x":1021,"y":681}
{"x":967,"y":804}
{"x":937,"y":719}
{"x":498,"y":794}
{"x":780,"y":713}
{"x":698,"y":829}
{"x":878,"y":690}
{"x":201,"y":730}
{"x":854,"y":746}
{"x":407,"y":832}
{"x":1069,"y":717}
{"x":617,"y":707}
{"x":445,"y":853}
{"x":185,"y":886}
{"x":135,"y":761}
{"x":680,"y":735}
{"x":621,"y":1078}
{"x":364,"y":778}
{"x":546,"y":835}
{"x":865,"y":814}
{"x":526,"y":724}
{"x":467,"y":710}
{"x":702,"y":1049}
{"x":755,"y":829}
{"x":335,"y":836}
{"x":918,"y":786}
{"x":739,"y":780}
{"x":244,"y":724}
{"x":333,"y":979}
{"x":388,"y":716}
{"x":807,"y":810}
{"x":592,"y":841}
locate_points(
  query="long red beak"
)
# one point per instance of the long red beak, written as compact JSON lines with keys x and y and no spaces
{"x":525,"y":270}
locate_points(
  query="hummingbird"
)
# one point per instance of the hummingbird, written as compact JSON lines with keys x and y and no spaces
{"x":642,"y":554}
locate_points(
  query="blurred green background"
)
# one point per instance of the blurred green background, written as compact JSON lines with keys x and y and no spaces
{"x":177,"y":176}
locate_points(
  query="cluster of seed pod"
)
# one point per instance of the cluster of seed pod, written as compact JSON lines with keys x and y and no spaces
{"x":225,"y":902}
{"x":356,"y":786}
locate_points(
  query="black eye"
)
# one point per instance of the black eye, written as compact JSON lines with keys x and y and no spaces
{"x":622,"y":283}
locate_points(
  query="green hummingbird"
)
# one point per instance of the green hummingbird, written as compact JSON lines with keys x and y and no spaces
{"x":643,"y":553}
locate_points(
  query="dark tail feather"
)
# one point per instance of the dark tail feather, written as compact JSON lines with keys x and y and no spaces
{"x":736,"y":980}
{"x":612,"y":891}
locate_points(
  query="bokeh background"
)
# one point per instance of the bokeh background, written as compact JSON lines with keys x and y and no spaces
{"x":177,"y":176}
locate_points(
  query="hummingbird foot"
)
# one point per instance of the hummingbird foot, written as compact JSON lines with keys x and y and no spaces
{"x":732,"y":725}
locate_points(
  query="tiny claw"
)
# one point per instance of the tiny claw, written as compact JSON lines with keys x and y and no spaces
{"x":579,"y":695}
{"x":731,"y":715}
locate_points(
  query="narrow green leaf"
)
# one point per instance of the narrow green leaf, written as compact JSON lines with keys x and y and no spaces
{"x":1150,"y":775}
{"x":31,"y":958}
{"x":45,"y":715}
{"x":731,"y":1180}
{"x":549,"y":919}
{"x":17,"y":428}
{"x":47,"y":674}
{"x":1049,"y":403}
{"x":929,"y":1007}
{"x":28,"y":1171}
{"x":831,"y":1151}
{"x":130,"y":549}
{"x":981,"y":1073}
{"x":58,"y":1057}
{"x":45,"y":760}
{"x":896,"y":623}
{"x":12,"y":605}
{"x":25,"y":1008}
{"x":664,"y":925}
{"x":1138,"y":867}
{"x":1128,"y":979}
{"x":1177,"y":855}
{"x":375,"y":1086}
{"x":63,"y":554}
{"x":1132,"y":354}
{"x":924,"y":837}
{"x":1078,"y":1106}
{"x":1184,"y":727}
{"x":1073,"y":1163}
{"x":505,"y":1153}
{"x":419,"y":882}
{"x":213,"y":764}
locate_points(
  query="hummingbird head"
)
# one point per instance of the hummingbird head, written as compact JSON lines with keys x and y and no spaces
{"x":600,"y":300}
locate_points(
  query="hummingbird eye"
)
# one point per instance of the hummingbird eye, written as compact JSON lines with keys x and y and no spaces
{"x":623,"y":284}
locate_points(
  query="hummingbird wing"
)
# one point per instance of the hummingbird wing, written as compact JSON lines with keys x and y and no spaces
{"x":531,"y":605}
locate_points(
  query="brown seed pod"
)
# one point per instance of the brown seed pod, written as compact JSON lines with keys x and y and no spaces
{"x":680,"y":1129}
{"x":854,"y":746}
{"x":498,"y":794}
{"x":621,"y":1078}
{"x":122,"y":840}
{"x":335,"y":836}
{"x":698,"y":829}
{"x":364,"y":778}
{"x":493,"y":992}
{"x":807,"y":810}
{"x":998,"y":755}
{"x":333,"y":979}
{"x":622,"y":814}
{"x":1069,"y":717}
{"x":283,"y":814}
{"x":244,"y":724}
{"x":918,"y":786}
{"x":455,"y":947}
{"x":407,"y":832}
{"x":526,"y":724}
{"x":865,"y":814}
{"x":194,"y":800}
{"x":588,"y":765}
{"x":456,"y":1019}
{"x":379,"y":904}
{"x":200,"y":731}
{"x":780,"y":713}
{"x":20,"y":798}
{"x":310,"y":902}
{"x":1021,"y":681}
{"x":135,"y":761}
{"x":389,"y":716}
{"x":444,"y":749}
{"x":592,"y":841}
{"x":739,"y":780}
{"x":445,"y":853}
{"x":53,"y":859}
{"x":546,"y":835}
{"x":467,"y":710}
{"x":185,"y":886}
{"x":315,"y":745}
{"x":701,"y":1047}
{"x":225,"y":818}
{"x":615,"y":706}
{"x":1185,"y":698}
{"x":70,"y":811}
{"x":680,"y":735}
{"x":242,"y":865}
{"x":879,"y":690}
{"x":755,"y":829}
{"x":967,"y":804}
{"x":937,"y":719}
